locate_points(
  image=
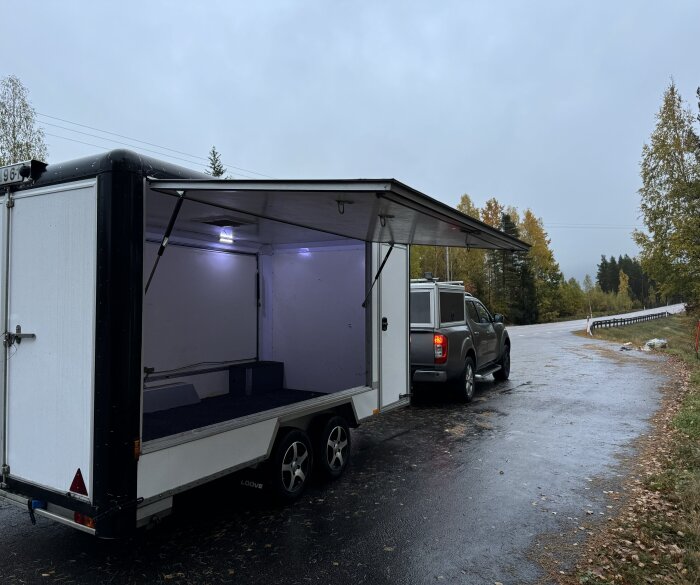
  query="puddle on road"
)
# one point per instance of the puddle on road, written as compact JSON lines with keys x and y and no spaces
{"x":520,"y":387}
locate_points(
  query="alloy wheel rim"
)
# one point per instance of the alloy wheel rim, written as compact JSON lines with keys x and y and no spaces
{"x":336,"y":448}
{"x":469,"y":382}
{"x":295,"y":466}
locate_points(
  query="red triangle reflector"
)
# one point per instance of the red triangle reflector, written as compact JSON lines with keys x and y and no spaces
{"x":78,"y":485}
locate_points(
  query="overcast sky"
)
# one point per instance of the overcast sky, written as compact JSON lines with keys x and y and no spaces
{"x":543,"y":105}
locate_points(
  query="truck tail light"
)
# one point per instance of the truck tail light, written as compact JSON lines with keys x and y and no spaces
{"x":440,"y":347}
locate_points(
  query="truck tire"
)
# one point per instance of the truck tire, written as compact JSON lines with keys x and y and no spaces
{"x":467,"y":384}
{"x":503,"y":374}
{"x":290,"y":465}
{"x":332,"y":447}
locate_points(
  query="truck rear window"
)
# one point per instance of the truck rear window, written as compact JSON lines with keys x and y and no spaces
{"x":451,"y":307}
{"x":420,"y":307}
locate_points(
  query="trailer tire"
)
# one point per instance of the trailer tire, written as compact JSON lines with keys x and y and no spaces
{"x":290,"y":465}
{"x":332,"y":447}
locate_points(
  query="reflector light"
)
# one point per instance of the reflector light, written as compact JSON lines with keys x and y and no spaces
{"x":440,"y":347}
{"x":78,"y":485}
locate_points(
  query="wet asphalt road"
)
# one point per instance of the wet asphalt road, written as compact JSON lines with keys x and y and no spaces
{"x":436,"y":492}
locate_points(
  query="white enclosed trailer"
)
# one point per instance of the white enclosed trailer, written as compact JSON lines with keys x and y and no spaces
{"x":163,"y":328}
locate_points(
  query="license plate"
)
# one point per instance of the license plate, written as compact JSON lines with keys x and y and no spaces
{"x":10,"y":175}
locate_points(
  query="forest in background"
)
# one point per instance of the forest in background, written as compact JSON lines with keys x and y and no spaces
{"x":529,"y":287}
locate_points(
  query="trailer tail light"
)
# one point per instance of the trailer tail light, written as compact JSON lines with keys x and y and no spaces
{"x":84,"y":520}
{"x":440,"y":347}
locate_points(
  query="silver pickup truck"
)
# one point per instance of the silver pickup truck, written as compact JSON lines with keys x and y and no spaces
{"x":454,"y":337}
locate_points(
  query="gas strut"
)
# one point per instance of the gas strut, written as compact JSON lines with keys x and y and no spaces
{"x":166,"y":235}
{"x":376,"y":276}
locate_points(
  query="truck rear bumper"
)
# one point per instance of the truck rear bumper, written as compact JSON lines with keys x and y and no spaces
{"x":429,"y":376}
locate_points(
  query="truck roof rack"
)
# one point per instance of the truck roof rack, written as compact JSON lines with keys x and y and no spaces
{"x":438,"y":281}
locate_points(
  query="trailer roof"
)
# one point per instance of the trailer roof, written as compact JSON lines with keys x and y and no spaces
{"x":118,"y":160}
{"x":372,"y":210}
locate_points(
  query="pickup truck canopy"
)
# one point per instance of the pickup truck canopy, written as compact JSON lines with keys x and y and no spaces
{"x":383,"y":210}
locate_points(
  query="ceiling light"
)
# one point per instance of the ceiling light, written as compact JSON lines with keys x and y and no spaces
{"x":226,"y":235}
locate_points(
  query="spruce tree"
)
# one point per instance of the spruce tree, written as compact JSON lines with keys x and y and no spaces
{"x":216,"y":167}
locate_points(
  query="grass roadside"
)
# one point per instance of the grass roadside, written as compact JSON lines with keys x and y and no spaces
{"x":656,"y":537}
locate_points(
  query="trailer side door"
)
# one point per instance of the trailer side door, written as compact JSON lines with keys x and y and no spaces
{"x":393,"y":325}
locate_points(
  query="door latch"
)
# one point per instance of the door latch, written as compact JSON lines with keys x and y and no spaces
{"x":16,"y":337}
{"x":385,"y":323}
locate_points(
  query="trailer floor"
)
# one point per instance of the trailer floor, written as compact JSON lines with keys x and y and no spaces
{"x":217,"y":409}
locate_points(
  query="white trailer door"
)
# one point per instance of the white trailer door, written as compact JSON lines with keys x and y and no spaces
{"x":51,"y":294}
{"x":393,"y":325}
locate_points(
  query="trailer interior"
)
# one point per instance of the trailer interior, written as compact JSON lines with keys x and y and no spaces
{"x":244,"y":314}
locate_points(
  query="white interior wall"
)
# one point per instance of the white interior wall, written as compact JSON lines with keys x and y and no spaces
{"x":201,"y":307}
{"x":312,"y":317}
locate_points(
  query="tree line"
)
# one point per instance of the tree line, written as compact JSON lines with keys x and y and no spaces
{"x":529,"y":287}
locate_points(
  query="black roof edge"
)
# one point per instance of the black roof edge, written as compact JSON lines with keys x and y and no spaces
{"x":120,"y":159}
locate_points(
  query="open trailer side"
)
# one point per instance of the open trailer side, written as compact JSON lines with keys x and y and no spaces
{"x":163,"y":329}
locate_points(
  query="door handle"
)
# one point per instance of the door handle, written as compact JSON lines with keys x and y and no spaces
{"x":385,"y":323}
{"x":10,"y":338}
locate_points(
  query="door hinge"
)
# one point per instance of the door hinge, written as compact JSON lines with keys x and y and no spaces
{"x":10,"y":203}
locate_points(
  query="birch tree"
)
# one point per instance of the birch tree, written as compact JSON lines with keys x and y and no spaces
{"x":20,"y":138}
{"x":670,"y":200}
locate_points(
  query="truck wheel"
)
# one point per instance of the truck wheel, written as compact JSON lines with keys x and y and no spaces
{"x":291,"y":465}
{"x":467,"y":384}
{"x":504,"y":372}
{"x":333,"y":447}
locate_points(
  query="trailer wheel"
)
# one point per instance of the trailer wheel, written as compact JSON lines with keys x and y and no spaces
{"x":332,"y":447}
{"x":291,"y":467}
